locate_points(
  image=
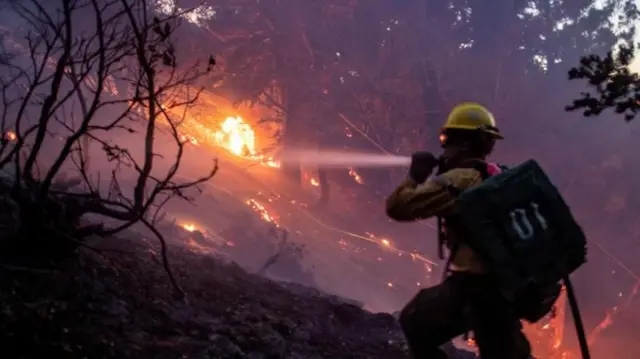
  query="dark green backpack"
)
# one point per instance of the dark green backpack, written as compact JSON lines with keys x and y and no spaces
{"x":521,"y":227}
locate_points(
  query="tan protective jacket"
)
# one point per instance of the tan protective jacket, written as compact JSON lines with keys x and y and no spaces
{"x":412,"y":201}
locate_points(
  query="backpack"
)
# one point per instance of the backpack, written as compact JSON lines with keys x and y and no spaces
{"x":517,"y":222}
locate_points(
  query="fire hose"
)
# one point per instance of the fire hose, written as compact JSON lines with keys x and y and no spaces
{"x":577,"y":318}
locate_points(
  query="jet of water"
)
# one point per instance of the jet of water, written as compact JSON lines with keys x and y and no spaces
{"x":336,"y":159}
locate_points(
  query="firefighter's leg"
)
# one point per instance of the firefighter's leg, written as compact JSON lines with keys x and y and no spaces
{"x":433,"y":317}
{"x":496,"y":328}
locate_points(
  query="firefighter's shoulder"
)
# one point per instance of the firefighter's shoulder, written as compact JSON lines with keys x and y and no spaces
{"x":461,"y":178}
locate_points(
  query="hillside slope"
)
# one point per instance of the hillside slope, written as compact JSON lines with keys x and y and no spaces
{"x":120,"y":306}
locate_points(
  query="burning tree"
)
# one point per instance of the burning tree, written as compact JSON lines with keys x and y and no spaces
{"x":281,"y":55}
{"x":90,"y":71}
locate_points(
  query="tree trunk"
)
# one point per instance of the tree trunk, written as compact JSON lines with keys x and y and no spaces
{"x":292,"y":139}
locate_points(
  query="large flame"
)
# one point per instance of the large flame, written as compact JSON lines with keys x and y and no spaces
{"x":239,"y":138}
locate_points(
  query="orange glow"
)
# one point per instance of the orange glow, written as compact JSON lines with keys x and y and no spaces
{"x":471,"y":342}
{"x":355,"y":176}
{"x":190,"y":139}
{"x":385,"y":242}
{"x":314,"y":182}
{"x":558,"y":319}
{"x":11,"y":136}
{"x":262,"y":211}
{"x":239,"y":138}
{"x":189,"y":227}
{"x":236,"y":136}
{"x":604,"y":324}
{"x":270,"y":162}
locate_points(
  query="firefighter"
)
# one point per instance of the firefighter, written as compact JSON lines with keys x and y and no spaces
{"x":468,"y":299}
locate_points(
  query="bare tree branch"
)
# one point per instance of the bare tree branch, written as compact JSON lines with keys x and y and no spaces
{"x":87,"y":71}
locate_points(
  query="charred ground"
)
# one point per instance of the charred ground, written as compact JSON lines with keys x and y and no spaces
{"x":120,"y":305}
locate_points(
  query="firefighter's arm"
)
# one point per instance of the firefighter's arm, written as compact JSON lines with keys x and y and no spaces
{"x":436,"y":197}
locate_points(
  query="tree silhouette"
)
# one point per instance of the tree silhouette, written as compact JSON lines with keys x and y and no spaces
{"x":96,"y":70}
{"x":613,"y":85}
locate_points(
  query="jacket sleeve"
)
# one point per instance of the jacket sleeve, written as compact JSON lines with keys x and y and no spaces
{"x":413,"y":201}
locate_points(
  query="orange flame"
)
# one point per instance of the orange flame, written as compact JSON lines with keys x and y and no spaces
{"x":189,"y":227}
{"x":239,"y":138}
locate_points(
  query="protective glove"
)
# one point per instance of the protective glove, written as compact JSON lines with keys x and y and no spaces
{"x":422,"y":165}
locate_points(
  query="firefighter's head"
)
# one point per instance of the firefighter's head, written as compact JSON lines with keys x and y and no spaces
{"x":472,"y":128}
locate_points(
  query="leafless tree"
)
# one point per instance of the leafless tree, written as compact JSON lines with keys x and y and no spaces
{"x":81,"y":71}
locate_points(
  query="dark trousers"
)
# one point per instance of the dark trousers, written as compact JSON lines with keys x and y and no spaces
{"x":463,"y":302}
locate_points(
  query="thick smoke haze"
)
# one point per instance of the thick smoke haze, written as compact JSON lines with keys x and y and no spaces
{"x":378,"y":78}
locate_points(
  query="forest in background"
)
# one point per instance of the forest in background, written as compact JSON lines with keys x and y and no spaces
{"x":381,"y":77}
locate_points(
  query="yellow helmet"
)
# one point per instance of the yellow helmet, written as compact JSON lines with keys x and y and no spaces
{"x":472,"y":116}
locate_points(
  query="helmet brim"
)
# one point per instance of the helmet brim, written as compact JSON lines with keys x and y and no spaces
{"x":495,"y":133}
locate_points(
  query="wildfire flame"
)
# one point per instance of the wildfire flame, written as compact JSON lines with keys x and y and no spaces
{"x":189,"y":227}
{"x":239,"y":138}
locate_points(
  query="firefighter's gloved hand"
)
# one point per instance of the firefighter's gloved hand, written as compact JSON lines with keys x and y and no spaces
{"x":422,"y":165}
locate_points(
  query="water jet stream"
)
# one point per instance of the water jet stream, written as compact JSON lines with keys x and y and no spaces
{"x":337,"y":159}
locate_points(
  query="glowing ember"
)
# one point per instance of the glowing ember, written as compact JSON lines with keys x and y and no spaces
{"x":347,"y":132}
{"x":189,"y":227}
{"x":11,"y":136}
{"x":314,"y":182}
{"x":471,"y":342}
{"x":385,"y":242}
{"x":191,"y":139}
{"x":262,"y":211}
{"x":355,"y":176}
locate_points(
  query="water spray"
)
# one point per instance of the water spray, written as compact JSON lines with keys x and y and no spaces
{"x":338,"y":159}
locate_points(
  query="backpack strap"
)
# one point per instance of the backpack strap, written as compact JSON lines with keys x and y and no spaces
{"x":478,"y":165}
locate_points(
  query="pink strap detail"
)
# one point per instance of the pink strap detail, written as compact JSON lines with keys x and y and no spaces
{"x":493,"y":169}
